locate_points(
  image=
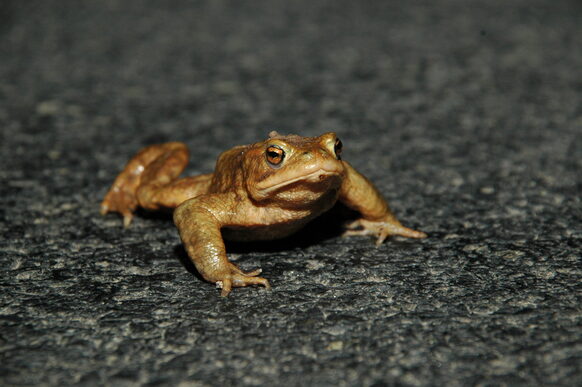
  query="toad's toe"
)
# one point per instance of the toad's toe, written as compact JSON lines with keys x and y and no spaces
{"x":119,"y":201}
{"x":238,"y":279}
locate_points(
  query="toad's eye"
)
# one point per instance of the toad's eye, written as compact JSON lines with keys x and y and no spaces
{"x":337,"y":148}
{"x":275,"y":155}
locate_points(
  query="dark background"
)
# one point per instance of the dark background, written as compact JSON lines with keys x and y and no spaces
{"x":466,"y":114}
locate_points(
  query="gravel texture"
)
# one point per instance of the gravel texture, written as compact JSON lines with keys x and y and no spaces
{"x":466,"y":114}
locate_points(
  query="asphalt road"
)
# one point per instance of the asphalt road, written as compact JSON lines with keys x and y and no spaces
{"x":467,"y":115}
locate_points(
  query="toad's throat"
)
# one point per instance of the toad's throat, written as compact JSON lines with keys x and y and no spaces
{"x":317,"y":176}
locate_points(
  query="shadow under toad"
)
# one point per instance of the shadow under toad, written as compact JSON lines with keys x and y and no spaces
{"x":324,"y":227}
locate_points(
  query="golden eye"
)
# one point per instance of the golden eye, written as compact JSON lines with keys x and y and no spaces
{"x":337,"y":148}
{"x":275,"y":155}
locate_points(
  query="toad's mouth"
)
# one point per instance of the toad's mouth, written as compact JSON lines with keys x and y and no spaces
{"x":318,"y":176}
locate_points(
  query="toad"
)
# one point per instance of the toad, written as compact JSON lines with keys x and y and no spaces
{"x":261,"y":191}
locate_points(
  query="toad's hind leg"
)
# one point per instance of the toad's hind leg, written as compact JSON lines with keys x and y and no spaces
{"x":150,"y":180}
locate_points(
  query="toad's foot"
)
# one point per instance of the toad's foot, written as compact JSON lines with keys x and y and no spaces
{"x":121,"y":200}
{"x":237,"y":278}
{"x":381,"y":229}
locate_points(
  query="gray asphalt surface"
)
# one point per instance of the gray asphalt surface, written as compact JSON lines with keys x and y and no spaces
{"x":467,"y":115}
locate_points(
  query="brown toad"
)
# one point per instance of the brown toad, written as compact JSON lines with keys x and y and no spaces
{"x":262,"y":191}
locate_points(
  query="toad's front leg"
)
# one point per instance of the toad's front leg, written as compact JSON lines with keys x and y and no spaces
{"x":199,"y":221}
{"x":359,"y":193}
